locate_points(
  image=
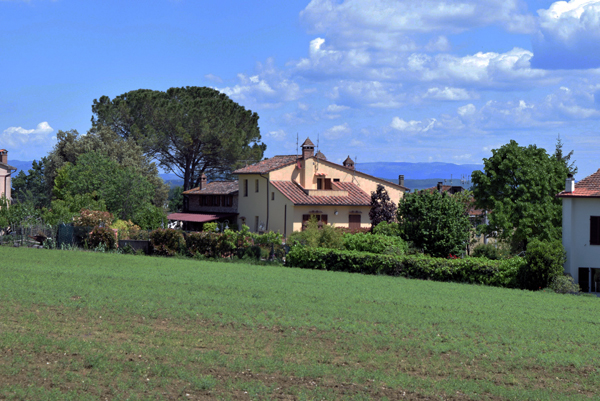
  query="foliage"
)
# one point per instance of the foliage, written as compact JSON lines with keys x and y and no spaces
{"x":385,"y":228}
{"x":18,"y":214}
{"x":545,"y":260}
{"x":125,"y":229}
{"x":176,"y":199}
{"x":326,"y":237}
{"x":125,"y":192}
{"x":190,"y":130}
{"x":382,"y":207}
{"x":348,"y":230}
{"x":566,"y":159}
{"x":488,"y":251}
{"x":518,"y":186}
{"x":564,"y":284}
{"x":210,"y":227}
{"x":125,"y":153}
{"x":91,"y":218}
{"x":434,"y":222}
{"x":367,"y":242}
{"x":102,"y":236}
{"x":469,"y":270}
{"x":65,"y":210}
{"x":150,"y":217}
{"x":33,"y":186}
{"x":209,"y":244}
{"x":167,"y":242}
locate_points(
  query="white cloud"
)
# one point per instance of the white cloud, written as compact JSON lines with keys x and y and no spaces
{"x":28,"y":143}
{"x":448,"y":93}
{"x":370,"y":93}
{"x":335,"y":108}
{"x":412,"y":126}
{"x":467,"y":110}
{"x":213,"y":78}
{"x":278,"y":135}
{"x":568,"y":37}
{"x":337,"y":131}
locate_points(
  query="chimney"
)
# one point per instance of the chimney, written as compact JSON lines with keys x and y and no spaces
{"x":401,"y":180}
{"x":570,"y":184}
{"x":439,"y":186}
{"x":202,"y":181}
{"x":348,"y":163}
{"x":308,"y":149}
{"x":3,"y":156}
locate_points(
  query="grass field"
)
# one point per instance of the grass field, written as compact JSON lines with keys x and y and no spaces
{"x":79,"y":325}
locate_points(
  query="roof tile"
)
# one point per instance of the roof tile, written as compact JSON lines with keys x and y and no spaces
{"x":589,"y":187}
{"x":355,"y":197}
{"x":215,"y":188}
{"x":267,"y":165}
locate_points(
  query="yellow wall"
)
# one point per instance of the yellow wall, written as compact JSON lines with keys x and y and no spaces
{"x":255,"y":203}
{"x":5,"y":178}
{"x":341,"y":220}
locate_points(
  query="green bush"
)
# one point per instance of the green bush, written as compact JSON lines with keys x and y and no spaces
{"x":488,"y":251}
{"x":470,"y":270}
{"x":367,"y":242}
{"x":564,"y":285}
{"x":102,"y":235}
{"x":545,"y":261}
{"x":313,"y":236}
{"x":385,"y":228}
{"x":209,"y":244}
{"x":210,"y":227}
{"x":167,"y":242}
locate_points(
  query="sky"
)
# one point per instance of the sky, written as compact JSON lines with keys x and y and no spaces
{"x":379,"y":80}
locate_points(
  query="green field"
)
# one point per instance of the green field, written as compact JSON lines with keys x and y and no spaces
{"x":81,"y":325}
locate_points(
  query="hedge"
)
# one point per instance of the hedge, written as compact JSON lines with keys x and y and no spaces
{"x":500,"y":273}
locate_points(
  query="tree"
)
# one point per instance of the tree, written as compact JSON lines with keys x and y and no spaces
{"x":558,"y":155}
{"x":518,"y":188}
{"x":33,"y":186}
{"x":176,"y":199}
{"x":124,"y":191}
{"x":434,"y":222}
{"x":190,"y":130}
{"x":103,"y":141}
{"x":382,"y":207}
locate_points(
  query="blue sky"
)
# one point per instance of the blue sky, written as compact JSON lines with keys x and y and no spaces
{"x":381,"y":80}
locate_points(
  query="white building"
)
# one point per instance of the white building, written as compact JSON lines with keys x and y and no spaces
{"x":5,"y":173}
{"x":581,"y":230}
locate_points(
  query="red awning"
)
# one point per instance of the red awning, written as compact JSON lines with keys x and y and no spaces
{"x":199,"y":218}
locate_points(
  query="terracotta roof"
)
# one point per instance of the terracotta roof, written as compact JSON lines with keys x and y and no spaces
{"x":8,"y":167}
{"x":199,"y":217}
{"x":267,"y":165}
{"x":355,"y":197}
{"x":320,"y":156}
{"x":445,"y":188}
{"x":215,"y":188}
{"x":348,"y":160}
{"x":589,"y":187}
{"x":308,"y":142}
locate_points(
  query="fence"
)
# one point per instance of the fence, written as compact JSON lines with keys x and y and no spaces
{"x":27,"y":235}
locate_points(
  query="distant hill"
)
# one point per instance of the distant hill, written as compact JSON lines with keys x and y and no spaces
{"x":418,"y":171}
{"x":20,"y":165}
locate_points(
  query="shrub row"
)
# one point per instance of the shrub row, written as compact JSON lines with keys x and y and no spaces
{"x":367,"y":242}
{"x":501,"y":273}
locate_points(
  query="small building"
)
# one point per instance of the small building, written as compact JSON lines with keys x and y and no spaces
{"x":5,"y":175}
{"x":282,"y":193}
{"x":211,"y":201}
{"x":581,"y":230}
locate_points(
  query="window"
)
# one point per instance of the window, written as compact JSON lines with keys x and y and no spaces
{"x":319,"y":183}
{"x":256,"y":224}
{"x":594,"y":230}
{"x":327,"y":183}
{"x":216,"y":199}
{"x":245,"y":187}
{"x":256,"y":190}
{"x":336,"y":180}
{"x":272,"y":195}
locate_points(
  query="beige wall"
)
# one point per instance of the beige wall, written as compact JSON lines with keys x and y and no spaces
{"x":255,"y":204}
{"x":339,"y":220}
{"x":5,"y":186}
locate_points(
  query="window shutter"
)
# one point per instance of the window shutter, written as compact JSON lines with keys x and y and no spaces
{"x":324,"y":218}
{"x":594,"y":230}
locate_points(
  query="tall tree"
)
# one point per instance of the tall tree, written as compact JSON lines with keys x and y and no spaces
{"x":32,"y":187}
{"x":566,"y":159}
{"x":434,"y":222}
{"x":382,"y":207}
{"x":518,"y":187}
{"x":190,"y":130}
{"x":125,"y":152}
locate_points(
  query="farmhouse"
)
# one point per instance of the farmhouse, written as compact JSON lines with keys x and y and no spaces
{"x":214,"y":201}
{"x":581,"y":230}
{"x":282,"y":193}
{"x":5,"y":173}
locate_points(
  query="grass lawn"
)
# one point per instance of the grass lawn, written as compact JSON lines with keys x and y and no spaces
{"x":80,"y":325}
